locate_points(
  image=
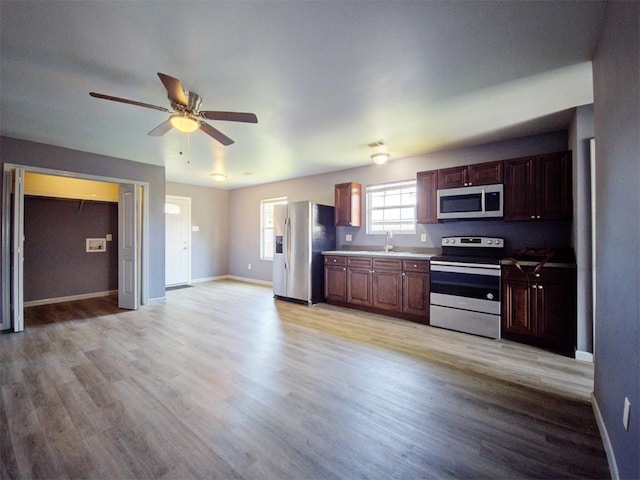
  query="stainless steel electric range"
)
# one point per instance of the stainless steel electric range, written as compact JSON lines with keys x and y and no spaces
{"x":466,"y":284}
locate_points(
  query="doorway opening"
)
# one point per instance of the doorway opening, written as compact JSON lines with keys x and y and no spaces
{"x":132,"y":284}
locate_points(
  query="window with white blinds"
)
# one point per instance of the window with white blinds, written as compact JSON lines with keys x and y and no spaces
{"x":391,"y":207}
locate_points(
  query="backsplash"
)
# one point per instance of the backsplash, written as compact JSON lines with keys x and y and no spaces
{"x":517,"y":235}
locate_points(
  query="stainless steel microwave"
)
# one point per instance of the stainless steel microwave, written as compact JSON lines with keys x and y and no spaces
{"x":483,"y":201}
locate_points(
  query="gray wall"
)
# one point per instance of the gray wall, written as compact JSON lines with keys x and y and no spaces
{"x":210,"y":212}
{"x":56,"y":263}
{"x":33,"y":154}
{"x":244,"y":204}
{"x":616,"y":74}
{"x":581,"y":131}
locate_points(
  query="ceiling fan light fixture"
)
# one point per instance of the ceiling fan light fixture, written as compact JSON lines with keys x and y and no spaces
{"x":380,"y":158}
{"x":184,"y":123}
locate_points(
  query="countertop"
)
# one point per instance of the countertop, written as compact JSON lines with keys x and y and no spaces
{"x":530,"y":263}
{"x":558,"y":258}
{"x":379,"y":253}
{"x":428,"y":253}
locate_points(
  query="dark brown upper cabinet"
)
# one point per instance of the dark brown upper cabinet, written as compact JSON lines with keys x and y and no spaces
{"x":538,"y":188}
{"x":426,"y":200}
{"x":488,"y":173}
{"x":347,"y":204}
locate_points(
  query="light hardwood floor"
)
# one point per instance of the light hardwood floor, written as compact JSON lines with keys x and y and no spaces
{"x":223,"y":381}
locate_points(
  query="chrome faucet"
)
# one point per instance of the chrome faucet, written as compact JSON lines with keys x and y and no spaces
{"x":387,"y":241}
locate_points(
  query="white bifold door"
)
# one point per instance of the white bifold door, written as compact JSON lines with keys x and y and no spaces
{"x":17,"y":250}
{"x":128,"y":241}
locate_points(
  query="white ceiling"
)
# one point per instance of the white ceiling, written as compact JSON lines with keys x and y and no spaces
{"x":324,"y":78}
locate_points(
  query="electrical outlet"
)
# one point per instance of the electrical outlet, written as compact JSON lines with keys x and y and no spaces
{"x":348,"y":237}
{"x":249,"y":267}
{"x":423,"y":237}
{"x":626,"y":412}
{"x":109,"y":237}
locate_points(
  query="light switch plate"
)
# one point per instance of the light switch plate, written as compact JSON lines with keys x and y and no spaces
{"x":423,"y":237}
{"x":195,"y":228}
{"x":348,"y":237}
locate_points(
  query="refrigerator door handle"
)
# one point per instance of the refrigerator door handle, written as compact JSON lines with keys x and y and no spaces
{"x":287,"y":236}
{"x":284,"y":243}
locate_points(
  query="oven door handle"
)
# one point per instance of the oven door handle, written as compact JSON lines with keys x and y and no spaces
{"x":469,"y":269}
{"x":483,"y":201}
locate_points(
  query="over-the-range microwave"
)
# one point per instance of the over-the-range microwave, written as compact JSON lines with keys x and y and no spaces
{"x":475,"y":202}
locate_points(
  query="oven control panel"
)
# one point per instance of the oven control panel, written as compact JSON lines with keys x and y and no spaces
{"x":485,"y":242}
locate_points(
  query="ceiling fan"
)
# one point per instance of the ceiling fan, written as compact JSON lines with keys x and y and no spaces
{"x":186,"y":111}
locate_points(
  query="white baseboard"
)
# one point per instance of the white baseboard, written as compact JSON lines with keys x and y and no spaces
{"x":249,"y":280}
{"x":157,"y":300}
{"x":606,"y":441}
{"x":70,"y":298}
{"x":584,"y":356}
{"x":209,"y":279}
{"x":231,"y":277}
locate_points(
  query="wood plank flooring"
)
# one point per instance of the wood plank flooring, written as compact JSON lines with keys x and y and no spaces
{"x":223,"y":381}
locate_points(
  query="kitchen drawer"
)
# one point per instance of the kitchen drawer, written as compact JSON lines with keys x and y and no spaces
{"x":393,"y":264}
{"x":359,"y":262}
{"x":335,"y":260}
{"x":415,"y":265}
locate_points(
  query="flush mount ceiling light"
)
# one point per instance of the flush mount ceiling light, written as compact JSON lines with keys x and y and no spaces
{"x":380,"y":158}
{"x":184,"y":123}
{"x":218,"y":177}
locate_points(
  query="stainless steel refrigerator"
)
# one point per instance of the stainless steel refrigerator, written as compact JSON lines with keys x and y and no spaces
{"x":302,"y":231}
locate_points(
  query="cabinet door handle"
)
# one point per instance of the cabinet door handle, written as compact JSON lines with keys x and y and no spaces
{"x":536,"y":274}
{"x":344,"y":269}
{"x":533,"y":286}
{"x":538,"y":216}
{"x":540,"y":287}
{"x":533,"y":216}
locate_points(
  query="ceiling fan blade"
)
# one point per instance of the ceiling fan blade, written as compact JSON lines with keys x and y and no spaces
{"x":215,"y":133}
{"x":130,"y":102}
{"x":174,"y":89}
{"x":161,"y":129}
{"x":229,"y":116}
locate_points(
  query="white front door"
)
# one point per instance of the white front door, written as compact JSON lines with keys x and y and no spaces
{"x":177,"y":240}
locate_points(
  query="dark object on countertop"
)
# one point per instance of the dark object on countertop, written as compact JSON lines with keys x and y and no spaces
{"x":542,"y":256}
{"x":555,"y":255}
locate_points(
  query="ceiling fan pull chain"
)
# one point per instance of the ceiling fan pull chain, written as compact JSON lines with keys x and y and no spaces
{"x":188,"y":149}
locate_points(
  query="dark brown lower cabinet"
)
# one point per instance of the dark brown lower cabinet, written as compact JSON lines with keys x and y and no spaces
{"x":415,"y":288}
{"x":335,"y":278}
{"x":540,"y":307}
{"x":386,"y":285}
{"x":393,"y":286}
{"x":359,"y":281}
